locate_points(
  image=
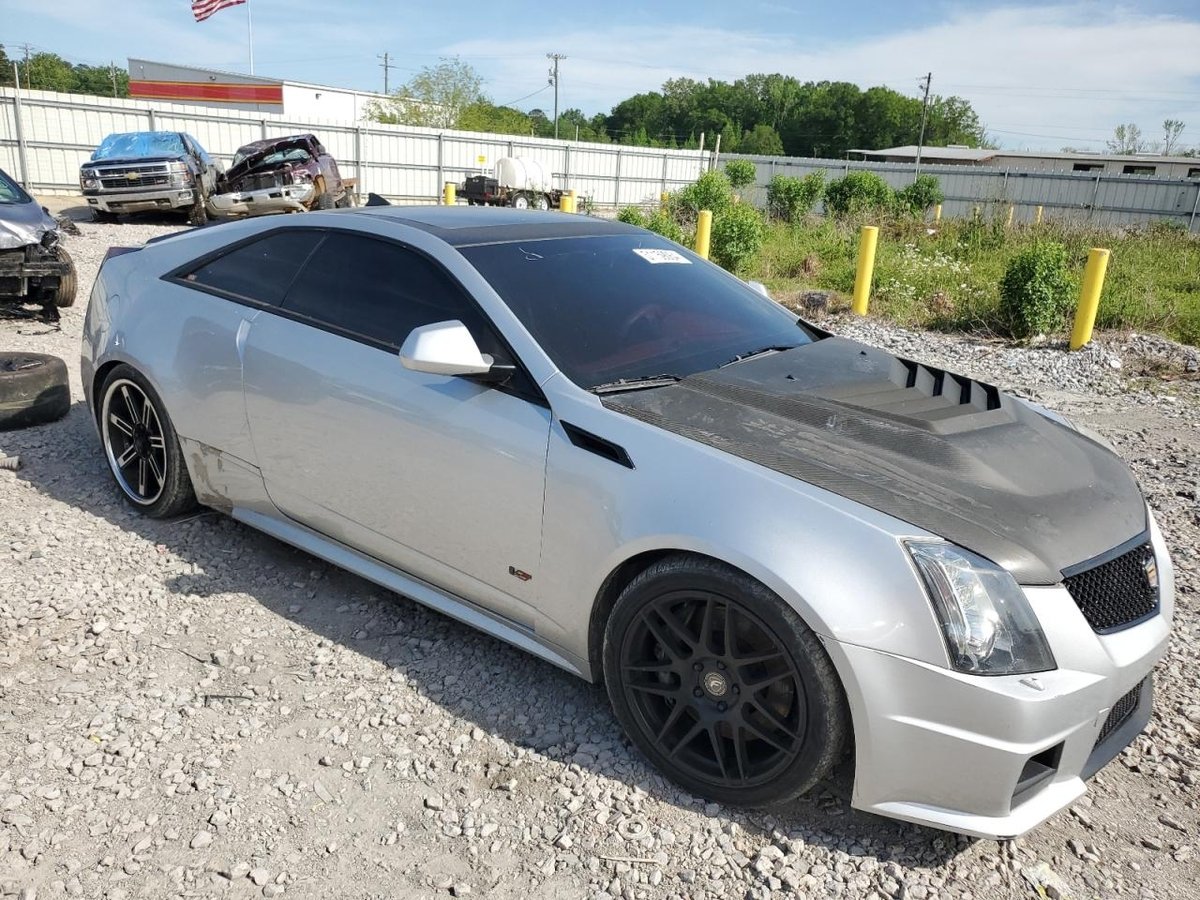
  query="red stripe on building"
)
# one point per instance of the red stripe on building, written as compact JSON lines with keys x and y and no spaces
{"x":213,"y":91}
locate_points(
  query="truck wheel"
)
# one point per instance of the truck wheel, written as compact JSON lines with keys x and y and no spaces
{"x":520,"y":201}
{"x":324,"y":201}
{"x":103,"y":217}
{"x":64,"y":294}
{"x":33,"y":389}
{"x":198,"y":211}
{"x":543,"y":202}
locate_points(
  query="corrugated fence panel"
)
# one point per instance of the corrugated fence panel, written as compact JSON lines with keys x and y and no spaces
{"x":412,"y":164}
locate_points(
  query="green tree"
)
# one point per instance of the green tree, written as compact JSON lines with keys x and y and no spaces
{"x":99,"y":80}
{"x":485,"y":116}
{"x":435,"y":97}
{"x":6,"y":68}
{"x":49,"y":72}
{"x":763,"y":140}
{"x":740,"y":172}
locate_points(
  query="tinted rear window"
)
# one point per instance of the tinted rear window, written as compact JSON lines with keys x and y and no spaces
{"x":627,"y":306}
{"x":261,"y":270}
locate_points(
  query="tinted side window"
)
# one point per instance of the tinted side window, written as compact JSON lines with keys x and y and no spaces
{"x":380,"y":291}
{"x":261,"y":270}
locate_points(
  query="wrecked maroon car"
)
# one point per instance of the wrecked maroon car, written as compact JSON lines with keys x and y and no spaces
{"x":288,"y":174}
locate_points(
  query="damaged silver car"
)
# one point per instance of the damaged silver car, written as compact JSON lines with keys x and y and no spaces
{"x":288,"y":174}
{"x":34,"y":266}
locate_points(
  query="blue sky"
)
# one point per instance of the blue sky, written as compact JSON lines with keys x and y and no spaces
{"x":1040,"y":74}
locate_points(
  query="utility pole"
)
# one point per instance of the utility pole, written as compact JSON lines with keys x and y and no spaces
{"x":387,"y":67}
{"x":26,"y":48}
{"x":925,"y":83}
{"x":555,"y":57}
{"x":112,"y":73}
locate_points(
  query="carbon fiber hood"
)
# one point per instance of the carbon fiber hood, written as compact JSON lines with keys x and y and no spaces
{"x":950,"y":455}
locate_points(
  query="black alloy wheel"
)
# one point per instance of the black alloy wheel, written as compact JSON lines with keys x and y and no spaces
{"x":721,"y":685}
{"x":141,"y":446}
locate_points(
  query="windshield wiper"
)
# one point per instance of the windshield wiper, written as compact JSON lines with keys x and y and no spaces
{"x":750,"y":354}
{"x":640,"y":383}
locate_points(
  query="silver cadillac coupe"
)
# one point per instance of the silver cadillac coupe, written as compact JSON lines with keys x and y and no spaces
{"x":772,"y":544}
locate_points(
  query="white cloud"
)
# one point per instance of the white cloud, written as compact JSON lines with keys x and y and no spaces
{"x":1038,"y":76}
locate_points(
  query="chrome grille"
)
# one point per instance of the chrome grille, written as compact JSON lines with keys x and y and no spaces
{"x":131,"y":177}
{"x":1116,"y":593}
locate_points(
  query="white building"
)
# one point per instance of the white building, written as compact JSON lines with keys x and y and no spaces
{"x":214,"y":89}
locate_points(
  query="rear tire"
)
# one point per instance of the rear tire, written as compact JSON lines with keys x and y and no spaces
{"x":519,"y":201}
{"x":721,"y":685}
{"x":141,"y":446}
{"x":542,"y":202}
{"x":33,"y":389}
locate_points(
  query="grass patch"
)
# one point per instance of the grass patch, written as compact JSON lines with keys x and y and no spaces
{"x":951,"y":279}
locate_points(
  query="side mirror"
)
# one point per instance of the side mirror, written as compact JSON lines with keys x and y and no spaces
{"x":444,"y":348}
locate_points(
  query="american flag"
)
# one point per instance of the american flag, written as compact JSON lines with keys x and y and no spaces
{"x":202,"y":9}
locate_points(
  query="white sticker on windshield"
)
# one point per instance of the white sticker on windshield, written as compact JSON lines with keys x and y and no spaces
{"x":657,"y":256}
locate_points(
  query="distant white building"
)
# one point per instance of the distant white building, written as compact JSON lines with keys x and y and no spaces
{"x":215,"y":89}
{"x":1109,"y":163}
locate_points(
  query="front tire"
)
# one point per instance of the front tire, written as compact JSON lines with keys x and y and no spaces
{"x":141,"y":446}
{"x":198,"y":211}
{"x":721,"y":685}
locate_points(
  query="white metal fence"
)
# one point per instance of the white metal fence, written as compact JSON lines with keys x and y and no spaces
{"x":46,"y":136}
{"x":1104,"y":200}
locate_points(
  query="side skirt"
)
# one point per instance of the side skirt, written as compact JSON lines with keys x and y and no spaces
{"x":394,"y":580}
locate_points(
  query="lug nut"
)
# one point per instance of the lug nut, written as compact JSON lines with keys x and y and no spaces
{"x":722,"y":706}
{"x":697,"y":693}
{"x":736,"y":689}
{"x":698,"y":666}
{"x":720,"y":665}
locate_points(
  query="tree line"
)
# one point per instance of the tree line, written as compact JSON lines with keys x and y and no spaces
{"x":50,"y":72}
{"x":759,"y":114}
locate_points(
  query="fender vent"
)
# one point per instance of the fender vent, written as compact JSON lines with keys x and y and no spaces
{"x":592,"y":443}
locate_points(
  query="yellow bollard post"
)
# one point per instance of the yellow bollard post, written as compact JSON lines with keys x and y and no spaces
{"x":1089,"y":297}
{"x":566,"y":203}
{"x":867,"y":241}
{"x":1037,"y":216}
{"x":1012,"y":211}
{"x":703,"y":233}
{"x":448,"y":194}
{"x":937,"y":214}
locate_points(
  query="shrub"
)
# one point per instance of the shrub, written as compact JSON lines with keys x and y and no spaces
{"x":737,"y":237}
{"x":740,"y":172}
{"x":791,"y":199}
{"x":711,"y":191}
{"x":919,"y":196}
{"x":660,"y":222}
{"x":631,"y":215}
{"x":1035,"y":292}
{"x":857,"y":192}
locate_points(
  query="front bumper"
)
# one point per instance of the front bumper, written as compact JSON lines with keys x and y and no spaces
{"x":284,"y":198}
{"x":140,"y":201}
{"x":996,"y":756}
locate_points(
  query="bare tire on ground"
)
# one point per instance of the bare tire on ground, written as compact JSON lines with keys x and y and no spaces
{"x":721,"y":685}
{"x":64,"y":294}
{"x":33,"y":389}
{"x":346,"y":201}
{"x":141,"y":445}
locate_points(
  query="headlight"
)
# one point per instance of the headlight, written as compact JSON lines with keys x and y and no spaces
{"x":180,"y":172}
{"x":987,"y":622}
{"x":88,"y":179}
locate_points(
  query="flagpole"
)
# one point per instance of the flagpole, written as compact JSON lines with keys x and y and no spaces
{"x":250,"y":35}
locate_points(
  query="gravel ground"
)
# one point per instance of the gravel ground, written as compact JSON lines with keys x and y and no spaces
{"x":191,"y":709}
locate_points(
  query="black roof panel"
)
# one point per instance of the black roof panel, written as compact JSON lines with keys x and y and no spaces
{"x":461,"y":226}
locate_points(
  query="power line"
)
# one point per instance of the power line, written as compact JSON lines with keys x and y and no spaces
{"x":544,"y":87}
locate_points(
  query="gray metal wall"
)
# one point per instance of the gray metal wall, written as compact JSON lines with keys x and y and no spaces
{"x":1102,"y":199}
{"x":59,"y":132}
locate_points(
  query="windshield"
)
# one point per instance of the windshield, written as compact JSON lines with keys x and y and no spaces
{"x":288,"y":154}
{"x":630,"y":306}
{"x":140,"y":144}
{"x":10,"y":191}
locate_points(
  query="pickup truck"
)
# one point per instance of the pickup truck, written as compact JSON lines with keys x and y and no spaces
{"x":285,"y":174}
{"x":150,"y":170}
